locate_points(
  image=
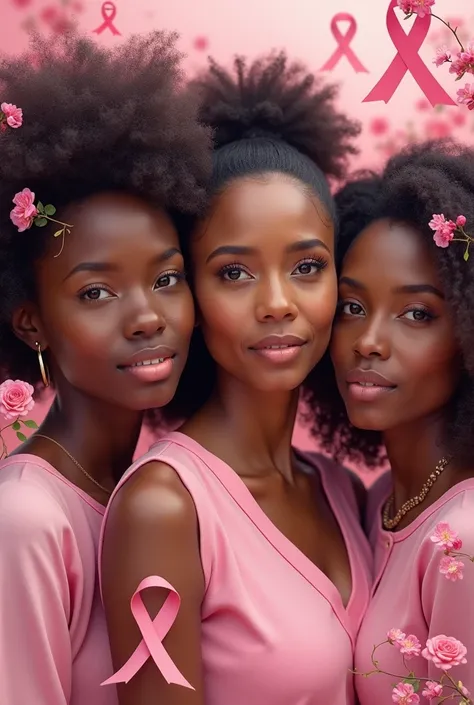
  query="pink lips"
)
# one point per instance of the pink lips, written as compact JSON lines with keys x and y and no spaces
{"x":279,"y":349}
{"x":150,"y":364}
{"x":368,"y":385}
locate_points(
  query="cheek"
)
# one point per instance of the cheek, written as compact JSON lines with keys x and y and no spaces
{"x":179,"y":312}
{"x":321,"y":304}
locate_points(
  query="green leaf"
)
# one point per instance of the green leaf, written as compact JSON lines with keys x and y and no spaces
{"x":40,"y":207}
{"x":30,"y":423}
{"x":414,"y":682}
{"x":49,"y":209}
{"x":466,"y":255}
{"x":21,"y":437}
{"x":41,"y":222}
{"x":58,"y":233}
{"x":16,"y":426}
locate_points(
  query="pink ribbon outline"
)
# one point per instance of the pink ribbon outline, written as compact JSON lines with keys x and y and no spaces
{"x":343,"y":41}
{"x":153,"y":633}
{"x":108,"y":18}
{"x":408,"y":59}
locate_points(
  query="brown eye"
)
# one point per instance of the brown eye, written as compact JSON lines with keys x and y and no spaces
{"x":350,"y":308}
{"x":168,"y":279}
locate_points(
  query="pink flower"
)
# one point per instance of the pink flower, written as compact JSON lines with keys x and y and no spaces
{"x":417,"y":7}
{"x":432,"y":690}
{"x":459,"y":119}
{"x":395,"y":636}
{"x":463,"y":62}
{"x":437,"y":128}
{"x":422,"y":105}
{"x":379,"y":126}
{"x":451,"y":568}
{"x":460,"y":222}
{"x":442,"y":55}
{"x":13,"y":115}
{"x":443,"y":536}
{"x":445,"y":652}
{"x":25,"y":210}
{"x":404,"y":694}
{"x":16,"y":399}
{"x":443,"y":235}
{"x":410,"y":646}
{"x":466,"y":96}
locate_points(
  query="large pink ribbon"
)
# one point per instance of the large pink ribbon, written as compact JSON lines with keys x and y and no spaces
{"x":108,"y":15}
{"x":153,"y":633}
{"x":407,"y":59}
{"x":343,"y":41}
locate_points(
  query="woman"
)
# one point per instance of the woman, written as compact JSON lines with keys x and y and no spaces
{"x":101,"y":313}
{"x":253,"y":551}
{"x":403,"y":353}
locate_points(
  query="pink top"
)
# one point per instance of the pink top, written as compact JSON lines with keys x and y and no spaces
{"x":53,"y":641}
{"x":274,"y":629}
{"x":411,"y":594}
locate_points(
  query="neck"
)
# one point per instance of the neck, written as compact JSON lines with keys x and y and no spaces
{"x":249,"y":429}
{"x":101,"y":437}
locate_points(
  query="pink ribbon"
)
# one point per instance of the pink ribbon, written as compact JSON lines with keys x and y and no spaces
{"x":108,"y":15}
{"x":343,"y":41}
{"x":153,"y":633}
{"x":407,"y":59}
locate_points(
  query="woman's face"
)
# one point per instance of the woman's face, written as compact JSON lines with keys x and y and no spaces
{"x":114,"y":312}
{"x":265,"y":282}
{"x":393,"y":345}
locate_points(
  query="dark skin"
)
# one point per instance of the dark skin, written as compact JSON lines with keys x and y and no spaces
{"x":116,"y":291}
{"x":394,"y":320}
{"x":276,"y":275}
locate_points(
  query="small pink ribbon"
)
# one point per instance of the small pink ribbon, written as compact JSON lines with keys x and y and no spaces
{"x":407,"y":59}
{"x":343,"y":41}
{"x":108,"y":15}
{"x":153,"y":633}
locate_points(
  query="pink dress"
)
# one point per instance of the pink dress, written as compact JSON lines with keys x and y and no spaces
{"x":274,"y":628}
{"x":53,"y":641}
{"x":411,"y":594}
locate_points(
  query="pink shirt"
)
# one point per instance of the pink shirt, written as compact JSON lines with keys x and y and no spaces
{"x":274,"y":629}
{"x":411,"y":594}
{"x":53,"y":642}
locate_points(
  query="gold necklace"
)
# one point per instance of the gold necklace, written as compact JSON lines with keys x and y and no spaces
{"x":414,"y":501}
{"x":76,"y":463}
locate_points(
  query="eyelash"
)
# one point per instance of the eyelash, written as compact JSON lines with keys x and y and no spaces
{"x":319,"y":262}
{"x":180,"y":276}
{"x":413,"y":309}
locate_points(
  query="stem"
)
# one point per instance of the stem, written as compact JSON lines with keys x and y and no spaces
{"x":454,"y":31}
{"x":4,"y":445}
{"x":53,"y":220}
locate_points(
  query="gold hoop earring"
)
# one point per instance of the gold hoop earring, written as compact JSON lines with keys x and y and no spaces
{"x":43,"y":369}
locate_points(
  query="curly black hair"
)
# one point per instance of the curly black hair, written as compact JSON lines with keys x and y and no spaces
{"x":272,"y":116}
{"x":94,"y":120}
{"x":435,"y":177}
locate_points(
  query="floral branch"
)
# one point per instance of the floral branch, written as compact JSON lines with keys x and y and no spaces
{"x":16,"y":401}
{"x":444,"y":231}
{"x":26,"y":213}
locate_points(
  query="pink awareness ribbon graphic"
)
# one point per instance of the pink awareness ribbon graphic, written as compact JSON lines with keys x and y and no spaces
{"x":108,"y":15}
{"x":407,"y":59}
{"x":343,"y":41}
{"x":153,"y":633}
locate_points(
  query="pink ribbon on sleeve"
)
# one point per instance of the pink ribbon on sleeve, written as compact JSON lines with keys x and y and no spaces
{"x":153,"y":633}
{"x":407,"y":59}
{"x":343,"y":44}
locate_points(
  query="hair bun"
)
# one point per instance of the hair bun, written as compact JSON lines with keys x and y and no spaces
{"x":279,"y":100}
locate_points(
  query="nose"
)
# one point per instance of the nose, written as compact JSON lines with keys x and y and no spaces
{"x":374,"y":340}
{"x":275,"y":300}
{"x":144,"y":318}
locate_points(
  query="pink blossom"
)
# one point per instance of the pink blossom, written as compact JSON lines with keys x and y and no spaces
{"x":417,"y":7}
{"x":422,"y":105}
{"x":466,"y":96}
{"x":460,"y":222}
{"x":436,"y":128}
{"x":443,"y":536}
{"x":442,"y":55}
{"x":443,"y":235}
{"x":379,"y":126}
{"x":16,"y":399}
{"x":459,"y":119}
{"x":395,"y":636}
{"x":451,"y":568}
{"x":13,"y":115}
{"x":25,"y":210}
{"x":432,"y":690}
{"x":445,"y":652}
{"x":404,"y":694}
{"x":410,"y":646}
{"x":463,"y":62}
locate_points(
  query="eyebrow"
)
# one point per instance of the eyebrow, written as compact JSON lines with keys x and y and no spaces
{"x":109,"y":267}
{"x":408,"y":289}
{"x":300,"y":246}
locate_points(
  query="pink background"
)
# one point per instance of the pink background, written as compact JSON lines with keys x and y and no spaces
{"x":223,"y":28}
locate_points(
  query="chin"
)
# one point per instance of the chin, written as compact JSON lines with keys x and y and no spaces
{"x":369,"y":420}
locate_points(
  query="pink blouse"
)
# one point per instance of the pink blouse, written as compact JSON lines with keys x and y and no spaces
{"x":53,"y":641}
{"x":274,"y":629}
{"x":411,"y":594}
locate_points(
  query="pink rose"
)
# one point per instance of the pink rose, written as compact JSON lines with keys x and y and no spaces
{"x":445,"y":652}
{"x":25,"y":210}
{"x":16,"y":399}
{"x":13,"y":115}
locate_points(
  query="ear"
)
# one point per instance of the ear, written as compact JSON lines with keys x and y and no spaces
{"x":27,"y":326}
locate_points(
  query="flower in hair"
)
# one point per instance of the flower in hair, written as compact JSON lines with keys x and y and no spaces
{"x":10,"y":115}
{"x":445,"y":230}
{"x":26,"y":213}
